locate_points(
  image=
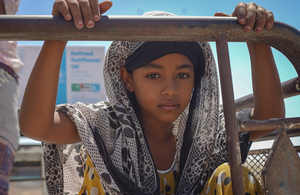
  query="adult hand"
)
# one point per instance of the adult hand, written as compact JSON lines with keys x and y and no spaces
{"x":83,"y":12}
{"x":250,"y":14}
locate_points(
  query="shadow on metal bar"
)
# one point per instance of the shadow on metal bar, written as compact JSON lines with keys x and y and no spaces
{"x":283,"y":37}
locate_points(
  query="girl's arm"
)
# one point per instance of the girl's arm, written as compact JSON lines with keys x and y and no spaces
{"x":267,"y":91}
{"x":268,"y":97}
{"x":38,"y":118}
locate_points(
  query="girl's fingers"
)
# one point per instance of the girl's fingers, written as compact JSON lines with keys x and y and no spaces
{"x":86,"y":12}
{"x":250,"y":14}
{"x":250,"y":17}
{"x":240,"y":12}
{"x":269,"y":20}
{"x":104,"y":6}
{"x":94,"y":4}
{"x":260,"y":19}
{"x":75,"y":10}
{"x":60,"y":7}
{"x":92,"y":11}
{"x":83,"y":12}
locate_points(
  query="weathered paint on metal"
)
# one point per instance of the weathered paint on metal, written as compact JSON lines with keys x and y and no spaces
{"x":140,"y":28}
{"x":271,"y":124}
{"x":290,"y":88}
{"x":230,"y":115}
{"x":281,"y":173}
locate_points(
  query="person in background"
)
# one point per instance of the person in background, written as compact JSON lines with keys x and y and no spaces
{"x":10,"y":65}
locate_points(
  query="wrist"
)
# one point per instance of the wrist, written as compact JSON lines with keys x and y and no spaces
{"x":258,"y":48}
{"x":55,"y":45}
{"x":257,"y":45}
{"x":58,"y":43}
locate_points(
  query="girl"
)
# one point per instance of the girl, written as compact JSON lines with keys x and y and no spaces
{"x":162,"y":131}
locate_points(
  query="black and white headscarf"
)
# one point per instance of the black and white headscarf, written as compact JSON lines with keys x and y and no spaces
{"x":112,"y":136}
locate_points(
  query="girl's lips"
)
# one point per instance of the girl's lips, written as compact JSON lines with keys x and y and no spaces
{"x":169,"y":106}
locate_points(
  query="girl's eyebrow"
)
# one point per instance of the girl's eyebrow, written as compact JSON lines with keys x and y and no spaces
{"x":148,"y":66}
{"x":184,"y":66}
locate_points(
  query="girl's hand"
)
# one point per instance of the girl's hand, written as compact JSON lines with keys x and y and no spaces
{"x":250,"y":14}
{"x":83,"y":12}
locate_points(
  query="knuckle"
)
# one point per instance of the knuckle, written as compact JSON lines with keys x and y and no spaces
{"x":269,"y":13}
{"x":261,"y":12}
{"x":252,"y":10}
{"x":59,"y":3}
{"x":73,"y":4}
{"x":241,"y":5}
{"x":252,"y":4}
{"x":260,"y":8}
{"x":94,"y":2}
{"x":83,"y":2}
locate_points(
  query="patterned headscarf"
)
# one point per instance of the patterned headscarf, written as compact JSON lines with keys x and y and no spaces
{"x":112,"y":136}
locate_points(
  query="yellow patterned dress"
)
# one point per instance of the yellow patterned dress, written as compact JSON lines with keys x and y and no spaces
{"x":219,"y":182}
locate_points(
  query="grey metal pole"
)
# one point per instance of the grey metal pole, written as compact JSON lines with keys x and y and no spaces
{"x":233,"y":145}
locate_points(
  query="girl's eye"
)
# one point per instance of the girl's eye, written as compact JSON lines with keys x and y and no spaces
{"x":182,"y":76}
{"x":153,"y":76}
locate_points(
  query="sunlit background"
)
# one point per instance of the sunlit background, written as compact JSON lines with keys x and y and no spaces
{"x":285,"y":11}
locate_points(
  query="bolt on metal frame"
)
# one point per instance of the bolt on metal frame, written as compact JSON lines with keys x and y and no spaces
{"x":283,"y":37}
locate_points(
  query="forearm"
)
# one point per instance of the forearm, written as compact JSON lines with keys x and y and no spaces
{"x":38,"y":106}
{"x":267,"y":91}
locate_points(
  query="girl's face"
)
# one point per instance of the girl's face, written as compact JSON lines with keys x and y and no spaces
{"x":162,"y":88}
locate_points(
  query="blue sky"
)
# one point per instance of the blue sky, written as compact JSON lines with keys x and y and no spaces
{"x":284,"y":11}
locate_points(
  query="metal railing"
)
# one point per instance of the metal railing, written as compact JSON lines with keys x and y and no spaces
{"x":283,"y":37}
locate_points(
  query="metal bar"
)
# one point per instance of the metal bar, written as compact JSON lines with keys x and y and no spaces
{"x":133,"y":28}
{"x":230,"y":116}
{"x":272,"y":136}
{"x":271,"y":124}
{"x":290,"y":88}
{"x":267,"y":151}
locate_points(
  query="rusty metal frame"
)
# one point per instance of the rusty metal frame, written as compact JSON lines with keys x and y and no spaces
{"x":290,"y":88}
{"x":233,"y":143}
{"x":271,"y":124}
{"x":283,"y":37}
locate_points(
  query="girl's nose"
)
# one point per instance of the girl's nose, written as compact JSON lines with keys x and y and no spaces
{"x":169,"y":88}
